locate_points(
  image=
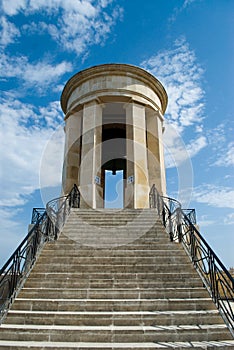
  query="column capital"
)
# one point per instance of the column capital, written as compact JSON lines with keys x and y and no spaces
{"x":133,"y":102}
{"x":94,"y":102}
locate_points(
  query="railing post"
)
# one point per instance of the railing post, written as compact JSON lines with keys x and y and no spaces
{"x":158,"y":202}
{"x":48,"y":225}
{"x":179,"y":225}
{"x":13,"y":274}
{"x":213,"y":278}
{"x":170,"y":227}
{"x":192,"y":244}
{"x":163,"y":215}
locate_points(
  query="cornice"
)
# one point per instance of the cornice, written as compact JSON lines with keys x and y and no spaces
{"x":118,"y":70}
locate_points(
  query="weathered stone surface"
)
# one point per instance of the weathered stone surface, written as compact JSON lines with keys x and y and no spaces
{"x":139,"y":295}
{"x":109,"y":102}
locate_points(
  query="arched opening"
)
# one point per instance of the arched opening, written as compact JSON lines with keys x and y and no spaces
{"x":113,"y":155}
{"x":114,"y":189}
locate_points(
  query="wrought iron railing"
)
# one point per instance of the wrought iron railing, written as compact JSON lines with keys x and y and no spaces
{"x":180,"y":224}
{"x":49,"y":224}
{"x":37,"y":214}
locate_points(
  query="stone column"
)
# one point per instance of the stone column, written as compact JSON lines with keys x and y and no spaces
{"x":90,"y":170}
{"x":161,"y":153}
{"x":129,"y":182}
{"x":137,"y":156}
{"x":156,"y":166}
{"x":72,"y":151}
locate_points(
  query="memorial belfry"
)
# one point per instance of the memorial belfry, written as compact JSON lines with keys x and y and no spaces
{"x":139,"y":278}
{"x":114,"y":121}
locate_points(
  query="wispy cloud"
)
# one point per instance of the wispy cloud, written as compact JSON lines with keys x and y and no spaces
{"x":216,"y":196}
{"x":24,"y":134}
{"x":32,"y":143}
{"x":196,"y":145}
{"x":12,"y":7}
{"x":229,"y":219}
{"x":205,"y":221}
{"x":8,"y":32}
{"x":39,"y":74}
{"x":227,"y":157}
{"x":177,"y":10}
{"x":180,"y":73}
{"x":220,"y":141}
{"x":79,"y":24}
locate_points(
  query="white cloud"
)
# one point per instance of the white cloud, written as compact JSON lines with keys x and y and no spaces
{"x":38,"y":74}
{"x":43,"y":72}
{"x":178,"y":10}
{"x":187,"y":3}
{"x":220,"y":140}
{"x":195,"y":146}
{"x":229,"y":219}
{"x":8,"y":32}
{"x":227,"y":157}
{"x":75,"y":25}
{"x":220,"y":197}
{"x":181,"y":75}
{"x":25,"y":130}
{"x":215,"y":134}
{"x":79,"y":27}
{"x":12,"y":7}
{"x":24,"y":133}
{"x":176,"y":152}
{"x":51,"y":161}
{"x":204,"y":221}
{"x":84,"y":7}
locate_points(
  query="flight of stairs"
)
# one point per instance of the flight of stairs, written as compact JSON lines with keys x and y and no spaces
{"x":113,"y":280}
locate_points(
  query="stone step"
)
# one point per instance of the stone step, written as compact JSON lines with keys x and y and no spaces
{"x":115,"y":260}
{"x":111,"y":229}
{"x":109,"y":253}
{"x":116,"y":212}
{"x":151,"y":224}
{"x":111,"y":283}
{"x":113,"y":293}
{"x":38,"y":345}
{"x":115,"y":222}
{"x":100,"y":242}
{"x":129,"y":237}
{"x":149,"y":231}
{"x":143,"y":318}
{"x":112,"y":211}
{"x":117,"y":276}
{"x":113,"y":280}
{"x":94,"y":245}
{"x":40,"y":304}
{"x":58,"y":333}
{"x":112,"y":268}
{"x":119,"y":226}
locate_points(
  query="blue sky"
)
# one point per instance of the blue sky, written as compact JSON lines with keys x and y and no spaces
{"x":186,"y":44}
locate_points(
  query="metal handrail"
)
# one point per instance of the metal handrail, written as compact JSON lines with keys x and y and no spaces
{"x":180,"y":225}
{"x":36,"y":215}
{"x":17,"y":268}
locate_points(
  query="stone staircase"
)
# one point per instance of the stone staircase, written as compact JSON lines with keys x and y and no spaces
{"x":113,"y":280}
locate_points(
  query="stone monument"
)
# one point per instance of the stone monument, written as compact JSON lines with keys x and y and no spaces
{"x":114,"y":121}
